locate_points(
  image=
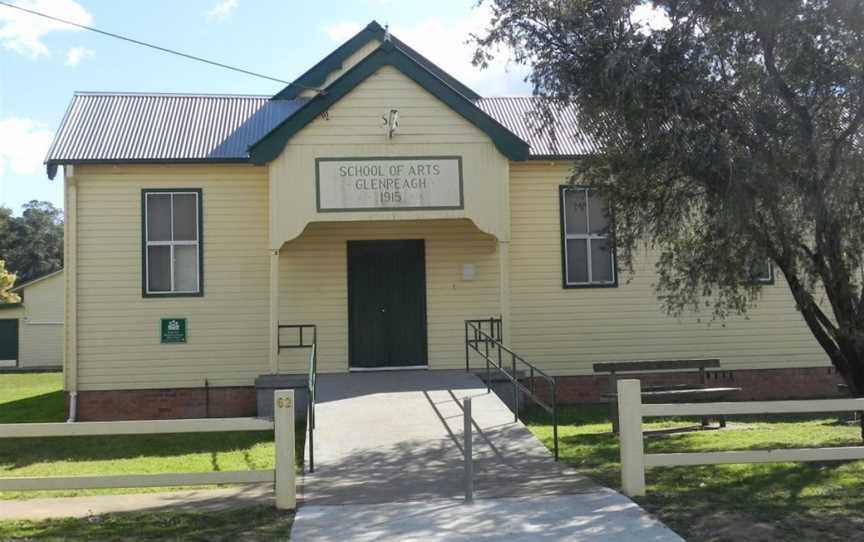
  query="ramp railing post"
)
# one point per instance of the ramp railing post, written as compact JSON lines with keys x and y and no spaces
{"x":283,"y":421}
{"x":630,"y":437}
{"x":467,"y":356}
{"x":469,"y":453}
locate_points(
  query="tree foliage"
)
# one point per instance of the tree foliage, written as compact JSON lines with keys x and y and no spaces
{"x":7,"y":282}
{"x":731,"y":130}
{"x":32,"y":244}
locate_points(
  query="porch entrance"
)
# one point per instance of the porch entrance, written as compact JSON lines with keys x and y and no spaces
{"x":386,"y":304}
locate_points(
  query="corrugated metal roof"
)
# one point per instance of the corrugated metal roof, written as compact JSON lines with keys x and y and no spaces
{"x":165,"y":127}
{"x":518,"y":115}
{"x":130,"y":127}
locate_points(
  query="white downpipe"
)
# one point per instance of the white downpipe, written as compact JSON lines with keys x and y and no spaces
{"x":73,"y":406}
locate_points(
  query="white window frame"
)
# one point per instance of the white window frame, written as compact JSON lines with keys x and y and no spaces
{"x":588,"y":237}
{"x":148,"y":243}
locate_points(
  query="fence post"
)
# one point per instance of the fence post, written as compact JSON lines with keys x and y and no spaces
{"x":468,"y":450}
{"x":630,"y":437}
{"x":283,"y":419}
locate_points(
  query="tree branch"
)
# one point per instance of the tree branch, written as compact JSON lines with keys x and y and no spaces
{"x":788,"y":95}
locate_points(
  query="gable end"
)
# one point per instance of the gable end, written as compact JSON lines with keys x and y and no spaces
{"x":270,"y":146}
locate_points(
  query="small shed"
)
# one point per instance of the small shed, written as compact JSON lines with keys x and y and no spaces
{"x":31,"y":332}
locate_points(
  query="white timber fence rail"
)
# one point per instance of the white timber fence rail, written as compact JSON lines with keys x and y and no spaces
{"x":283,"y":475}
{"x":634,"y":459}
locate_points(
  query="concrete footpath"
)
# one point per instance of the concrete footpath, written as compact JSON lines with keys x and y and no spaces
{"x":389,"y":466}
{"x":198,"y":501}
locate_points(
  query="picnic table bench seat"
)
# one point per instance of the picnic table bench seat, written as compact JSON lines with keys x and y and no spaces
{"x":665,"y":392}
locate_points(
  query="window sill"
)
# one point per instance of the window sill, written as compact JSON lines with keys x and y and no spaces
{"x":590,"y":285}
{"x":173,"y":294}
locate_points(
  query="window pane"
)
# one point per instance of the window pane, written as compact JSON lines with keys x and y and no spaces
{"x":185,"y":217}
{"x":575,"y":218}
{"x":601,"y":261}
{"x":597,"y":219}
{"x":760,"y":270}
{"x":158,"y":217}
{"x":159,"y":269}
{"x":577,"y":261}
{"x":185,"y":268}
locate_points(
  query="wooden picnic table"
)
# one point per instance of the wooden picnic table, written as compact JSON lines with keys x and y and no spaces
{"x":665,"y":392}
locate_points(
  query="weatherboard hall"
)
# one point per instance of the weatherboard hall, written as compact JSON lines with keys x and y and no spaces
{"x":378,"y":199}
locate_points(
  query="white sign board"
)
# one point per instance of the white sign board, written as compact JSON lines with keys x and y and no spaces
{"x":377,"y":184}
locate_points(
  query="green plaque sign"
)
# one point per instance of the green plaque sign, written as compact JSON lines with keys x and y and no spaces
{"x":173,"y":330}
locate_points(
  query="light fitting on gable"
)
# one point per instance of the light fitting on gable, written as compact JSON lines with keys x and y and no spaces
{"x":391,"y":122}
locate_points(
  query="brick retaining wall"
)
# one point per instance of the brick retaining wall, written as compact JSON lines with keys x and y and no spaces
{"x":166,"y":404}
{"x":759,"y":384}
{"x":756,"y":384}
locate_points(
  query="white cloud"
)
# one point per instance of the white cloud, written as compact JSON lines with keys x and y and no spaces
{"x":23,"y":145}
{"x":75,"y":55}
{"x":342,"y":31}
{"x":221,"y":10}
{"x":650,"y":18}
{"x":23,"y":32}
{"x":444,"y":42}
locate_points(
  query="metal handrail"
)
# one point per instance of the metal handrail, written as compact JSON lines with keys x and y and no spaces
{"x":493,"y":352}
{"x":312,"y":379}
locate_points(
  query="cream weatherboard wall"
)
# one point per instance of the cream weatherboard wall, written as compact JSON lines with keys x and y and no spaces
{"x":117,"y":331}
{"x":566,"y":330}
{"x":353,"y":128}
{"x":314,"y":285}
{"x":40,"y":330}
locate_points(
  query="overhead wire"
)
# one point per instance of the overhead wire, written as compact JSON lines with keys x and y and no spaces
{"x":158,"y":47}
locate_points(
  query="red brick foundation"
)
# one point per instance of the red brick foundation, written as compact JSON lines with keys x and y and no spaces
{"x":761,"y":384}
{"x":166,"y":404}
{"x":756,"y":384}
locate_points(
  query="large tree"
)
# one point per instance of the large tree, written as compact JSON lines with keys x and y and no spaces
{"x":32,"y":244}
{"x":730,"y":131}
{"x":7,"y":282}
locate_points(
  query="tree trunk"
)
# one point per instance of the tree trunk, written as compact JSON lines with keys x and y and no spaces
{"x":853,"y":375}
{"x":844,"y":346}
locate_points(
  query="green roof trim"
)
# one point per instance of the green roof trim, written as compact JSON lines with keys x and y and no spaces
{"x":315,"y":76}
{"x":270,"y":146}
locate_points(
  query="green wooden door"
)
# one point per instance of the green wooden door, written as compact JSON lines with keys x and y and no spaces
{"x":386,"y":304}
{"x":9,"y":342}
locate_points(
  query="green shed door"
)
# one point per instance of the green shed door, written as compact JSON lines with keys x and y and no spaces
{"x":386,"y":304}
{"x":9,"y":342}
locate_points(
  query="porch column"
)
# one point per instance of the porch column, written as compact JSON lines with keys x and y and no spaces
{"x":504,"y":288}
{"x":274,"y":311}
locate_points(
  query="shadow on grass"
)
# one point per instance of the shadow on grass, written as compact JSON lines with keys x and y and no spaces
{"x":762,"y":490}
{"x":22,"y":452}
{"x":47,"y":407}
{"x":597,"y":453}
{"x":254,"y":523}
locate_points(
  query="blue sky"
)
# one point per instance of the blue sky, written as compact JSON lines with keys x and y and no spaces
{"x":43,"y":63}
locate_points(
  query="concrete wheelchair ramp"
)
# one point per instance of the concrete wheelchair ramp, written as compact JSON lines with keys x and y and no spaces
{"x":389,"y":466}
{"x":394,"y":436}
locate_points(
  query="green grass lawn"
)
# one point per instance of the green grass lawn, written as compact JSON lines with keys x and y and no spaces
{"x":766,"y":502}
{"x":37,"y":398}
